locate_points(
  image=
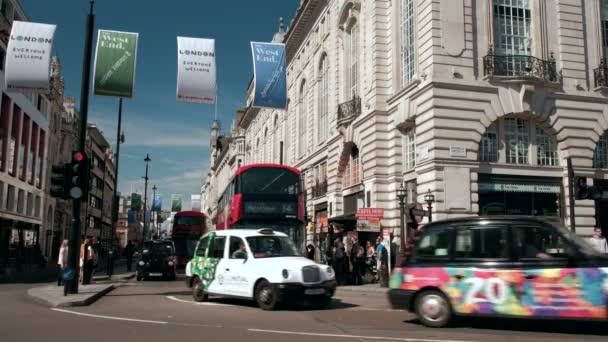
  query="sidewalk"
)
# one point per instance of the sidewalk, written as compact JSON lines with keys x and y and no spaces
{"x":120,"y":272}
{"x":373,"y":288}
{"x":52,"y":295}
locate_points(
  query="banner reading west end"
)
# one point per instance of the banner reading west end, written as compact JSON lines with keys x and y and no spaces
{"x":115,"y":62}
{"x":270,"y":81}
{"x":176,"y":203}
{"x":196,"y":70}
{"x":28,"y":57}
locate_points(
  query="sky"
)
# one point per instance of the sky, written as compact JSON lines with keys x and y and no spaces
{"x":175,"y":134}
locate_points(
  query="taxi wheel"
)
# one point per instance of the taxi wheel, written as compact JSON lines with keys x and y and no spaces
{"x":198,"y":290}
{"x":433,"y":309}
{"x":266,"y":296}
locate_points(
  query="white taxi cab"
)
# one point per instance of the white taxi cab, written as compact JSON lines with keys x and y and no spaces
{"x":262,"y":265}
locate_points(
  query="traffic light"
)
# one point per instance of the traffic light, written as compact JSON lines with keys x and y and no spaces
{"x":59,"y":181}
{"x":79,"y":176}
{"x":581,"y":190}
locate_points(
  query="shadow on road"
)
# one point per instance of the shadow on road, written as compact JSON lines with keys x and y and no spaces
{"x":570,"y":327}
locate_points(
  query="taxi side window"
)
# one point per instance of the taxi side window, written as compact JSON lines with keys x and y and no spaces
{"x":433,"y":244}
{"x":216,"y":250}
{"x":202,"y":247}
{"x":237,"y":248}
{"x":486,"y":242}
{"x":538,"y":242}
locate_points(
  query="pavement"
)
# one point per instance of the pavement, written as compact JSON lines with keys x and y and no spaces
{"x":164,"y":310}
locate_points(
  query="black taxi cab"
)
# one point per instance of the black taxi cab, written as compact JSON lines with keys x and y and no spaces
{"x":157,"y":259}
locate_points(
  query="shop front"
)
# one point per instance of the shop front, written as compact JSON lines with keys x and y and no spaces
{"x":530,"y":196}
{"x":19,"y":246}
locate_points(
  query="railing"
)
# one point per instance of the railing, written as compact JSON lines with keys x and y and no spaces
{"x":319,"y":189}
{"x":350,"y":109}
{"x":601,"y":75}
{"x":520,"y":66}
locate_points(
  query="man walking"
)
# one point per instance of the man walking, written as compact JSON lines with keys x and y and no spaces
{"x":129,"y":255}
{"x":598,"y":242}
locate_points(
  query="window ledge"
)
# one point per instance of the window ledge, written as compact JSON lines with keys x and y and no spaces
{"x":522,"y":79}
{"x":408,"y":87}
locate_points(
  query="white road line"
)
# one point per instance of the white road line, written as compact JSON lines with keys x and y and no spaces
{"x":109,"y":317}
{"x":352,"y":336}
{"x":195,"y":303}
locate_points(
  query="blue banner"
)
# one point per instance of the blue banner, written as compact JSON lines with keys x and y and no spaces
{"x":269,"y":75}
{"x":157,"y":202}
{"x":131,"y":217}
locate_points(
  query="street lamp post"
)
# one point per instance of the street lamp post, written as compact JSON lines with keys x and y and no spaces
{"x":147,"y":160}
{"x":429,"y":198}
{"x":402,"y":195}
{"x":154,"y":188}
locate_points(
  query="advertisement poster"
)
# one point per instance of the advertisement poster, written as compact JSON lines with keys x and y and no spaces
{"x":115,"y":61}
{"x":176,"y":203}
{"x":270,"y":81}
{"x":196,"y":70}
{"x":28,"y":57}
{"x":368,"y":219}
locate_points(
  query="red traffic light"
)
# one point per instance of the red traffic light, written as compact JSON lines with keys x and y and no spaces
{"x":582,"y":181}
{"x":78,"y":156}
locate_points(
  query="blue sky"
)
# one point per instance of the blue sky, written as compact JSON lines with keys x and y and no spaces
{"x":176,"y":135}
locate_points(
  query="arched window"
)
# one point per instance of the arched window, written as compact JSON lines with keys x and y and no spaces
{"x":302,"y":116}
{"x":408,"y":40}
{"x":600,"y":156}
{"x":353,"y":66}
{"x":512,"y":140}
{"x":323,"y":98}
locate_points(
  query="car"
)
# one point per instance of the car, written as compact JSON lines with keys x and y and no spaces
{"x":522,"y":267}
{"x":261,"y":265}
{"x":156,"y":260}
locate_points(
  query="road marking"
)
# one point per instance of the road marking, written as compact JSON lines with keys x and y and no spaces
{"x":352,"y":336}
{"x":197,"y":303}
{"x":109,"y":317}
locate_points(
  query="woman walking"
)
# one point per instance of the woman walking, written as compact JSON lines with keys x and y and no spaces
{"x":62,"y":261}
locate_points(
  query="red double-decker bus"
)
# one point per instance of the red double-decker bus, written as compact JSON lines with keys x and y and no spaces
{"x":188,"y":227}
{"x":264,"y":196}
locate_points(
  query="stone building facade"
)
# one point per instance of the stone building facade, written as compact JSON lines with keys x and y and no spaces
{"x":481,"y":103}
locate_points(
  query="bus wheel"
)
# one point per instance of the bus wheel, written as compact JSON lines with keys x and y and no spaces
{"x":266,"y":296}
{"x":198,"y":290}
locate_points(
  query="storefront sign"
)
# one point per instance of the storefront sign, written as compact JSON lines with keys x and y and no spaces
{"x":458,"y":152}
{"x":370,"y":214}
{"x":495,"y":187}
{"x":28,"y":57}
{"x":371,"y":225}
{"x":115,"y":60}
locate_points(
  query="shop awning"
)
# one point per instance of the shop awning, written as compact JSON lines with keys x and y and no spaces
{"x":343,"y":219}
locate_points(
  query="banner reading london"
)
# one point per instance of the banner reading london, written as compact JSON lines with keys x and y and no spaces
{"x":28,"y":57}
{"x":115,"y":62}
{"x":176,"y":203}
{"x":269,"y":75}
{"x":196,"y":73}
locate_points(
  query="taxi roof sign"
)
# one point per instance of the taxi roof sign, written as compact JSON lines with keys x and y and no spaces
{"x":266,"y":231}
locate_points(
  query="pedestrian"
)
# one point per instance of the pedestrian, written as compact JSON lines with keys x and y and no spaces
{"x":383,"y":267}
{"x":598,"y":241}
{"x":87,"y":262}
{"x":340,"y":262}
{"x":129,"y":255}
{"x":62,"y":261}
{"x":358,"y":262}
{"x":310,"y":251}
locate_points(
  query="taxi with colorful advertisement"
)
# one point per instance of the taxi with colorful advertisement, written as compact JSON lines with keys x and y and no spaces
{"x":499,"y":266}
{"x":262,"y":265}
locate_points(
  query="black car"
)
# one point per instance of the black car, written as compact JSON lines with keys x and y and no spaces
{"x":157,"y":260}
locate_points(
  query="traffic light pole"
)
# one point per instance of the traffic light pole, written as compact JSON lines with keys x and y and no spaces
{"x":74,"y":248}
{"x":571,"y":195}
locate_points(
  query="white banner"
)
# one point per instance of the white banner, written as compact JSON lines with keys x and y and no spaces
{"x":28,"y":59}
{"x":195,"y":201}
{"x":196,"y":73}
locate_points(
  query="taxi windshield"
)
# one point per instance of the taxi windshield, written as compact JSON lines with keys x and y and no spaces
{"x":271,"y":246}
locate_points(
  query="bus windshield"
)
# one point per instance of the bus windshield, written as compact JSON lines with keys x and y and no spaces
{"x":185,"y":247}
{"x":269,"y":181}
{"x":188,"y":221}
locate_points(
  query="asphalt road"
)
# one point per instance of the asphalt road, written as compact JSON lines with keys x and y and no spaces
{"x":164,"y":311}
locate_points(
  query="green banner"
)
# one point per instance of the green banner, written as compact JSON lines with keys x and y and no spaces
{"x":135,"y":202}
{"x":176,"y":203}
{"x":115,"y":62}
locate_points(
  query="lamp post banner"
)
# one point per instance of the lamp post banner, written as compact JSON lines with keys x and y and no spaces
{"x":157,"y":202}
{"x":176,"y":203}
{"x":28,"y":57}
{"x":269,"y":77}
{"x":195,"y":201}
{"x":115,"y":62}
{"x":196,"y":70}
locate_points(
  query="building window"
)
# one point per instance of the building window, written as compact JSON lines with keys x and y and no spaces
{"x":241,"y":146}
{"x":517,"y":140}
{"x":41,"y":152}
{"x":10,"y":198}
{"x":489,"y":145}
{"x":302,"y":120}
{"x":13,"y":150}
{"x":600,"y":156}
{"x":409,"y":149}
{"x":605,"y":28}
{"x":37,"y":207}
{"x":30,"y":204}
{"x":354,"y":60}
{"x":512,"y":22}
{"x":323,"y":98}
{"x":21,"y":201}
{"x":352,"y":175}
{"x":546,"y":149}
{"x":408,"y":40}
